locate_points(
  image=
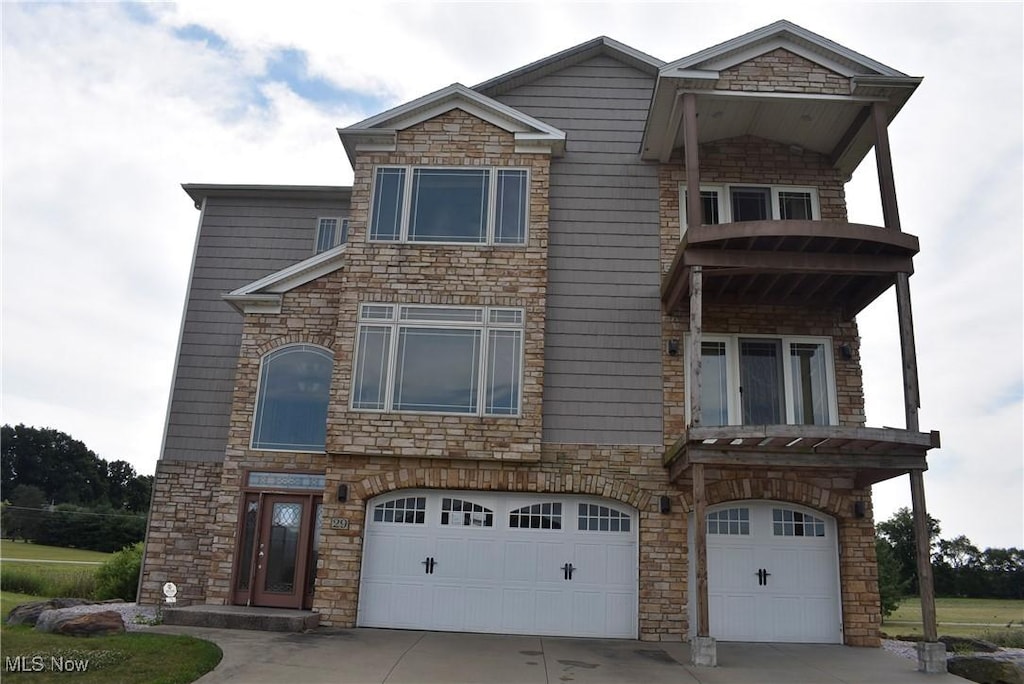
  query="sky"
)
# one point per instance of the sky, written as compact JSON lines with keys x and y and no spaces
{"x":107,"y":108}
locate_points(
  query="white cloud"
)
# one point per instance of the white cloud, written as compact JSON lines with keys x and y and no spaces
{"x":105,"y":115}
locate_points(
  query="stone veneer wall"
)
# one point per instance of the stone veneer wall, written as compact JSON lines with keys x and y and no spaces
{"x":178,"y":538}
{"x":461,"y":275}
{"x":782,"y":71}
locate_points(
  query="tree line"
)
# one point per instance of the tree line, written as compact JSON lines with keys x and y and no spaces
{"x":959,"y":567}
{"x":59,"y":492}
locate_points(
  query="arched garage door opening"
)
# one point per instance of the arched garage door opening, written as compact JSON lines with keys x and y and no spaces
{"x":773,"y":573}
{"x":504,"y":563}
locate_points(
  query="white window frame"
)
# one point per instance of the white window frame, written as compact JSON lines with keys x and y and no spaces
{"x":734,"y":406}
{"x":490,"y":319}
{"x":340,"y":237}
{"x":492,"y":197}
{"x":724,"y":191}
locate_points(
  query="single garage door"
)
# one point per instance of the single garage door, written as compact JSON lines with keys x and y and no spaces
{"x":773,"y":573}
{"x":500,"y":563}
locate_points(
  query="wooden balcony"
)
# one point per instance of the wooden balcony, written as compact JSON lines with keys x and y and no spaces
{"x":874,"y":454}
{"x":826,"y":264}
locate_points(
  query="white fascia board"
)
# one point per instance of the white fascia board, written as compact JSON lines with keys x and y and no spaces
{"x":291,"y":277}
{"x":455,"y":96}
{"x":255,"y":304}
{"x":814,"y":47}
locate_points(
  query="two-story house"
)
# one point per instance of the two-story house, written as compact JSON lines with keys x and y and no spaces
{"x":575,"y":354}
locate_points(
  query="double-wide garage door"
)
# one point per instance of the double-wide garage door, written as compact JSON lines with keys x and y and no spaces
{"x":500,"y":563}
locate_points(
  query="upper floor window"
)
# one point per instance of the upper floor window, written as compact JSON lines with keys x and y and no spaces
{"x":479,"y":205}
{"x":291,"y":403}
{"x":330,"y":232}
{"x":437,"y":359}
{"x":734,"y":203}
{"x":767,"y":381}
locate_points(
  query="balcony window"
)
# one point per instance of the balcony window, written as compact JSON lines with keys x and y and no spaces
{"x":755,"y":380}
{"x":479,"y":205}
{"x":437,"y":359}
{"x":735,"y":203}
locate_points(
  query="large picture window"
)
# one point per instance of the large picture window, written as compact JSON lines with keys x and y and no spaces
{"x":435,"y":359}
{"x":478,"y":205}
{"x":735,"y":203}
{"x":752,"y":380}
{"x":291,"y":404}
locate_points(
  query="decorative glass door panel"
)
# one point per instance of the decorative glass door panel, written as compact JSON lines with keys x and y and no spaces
{"x":281,"y":555}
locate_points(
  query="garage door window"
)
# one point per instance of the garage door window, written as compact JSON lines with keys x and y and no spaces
{"x":790,"y":523}
{"x":546,"y":516}
{"x":730,"y":521}
{"x":602,"y":519}
{"x":410,"y":510}
{"x":461,"y":513}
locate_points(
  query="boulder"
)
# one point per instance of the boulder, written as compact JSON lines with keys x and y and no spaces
{"x":987,"y":669}
{"x":72,"y":623}
{"x":957,"y":643}
{"x":28,"y":613}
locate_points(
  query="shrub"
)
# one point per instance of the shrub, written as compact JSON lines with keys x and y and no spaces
{"x":119,"y":576}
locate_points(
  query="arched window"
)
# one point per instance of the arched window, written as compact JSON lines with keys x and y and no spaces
{"x":291,"y":409}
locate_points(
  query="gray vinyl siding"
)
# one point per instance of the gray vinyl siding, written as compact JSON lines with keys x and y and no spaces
{"x":240,"y":241}
{"x":602,"y":372}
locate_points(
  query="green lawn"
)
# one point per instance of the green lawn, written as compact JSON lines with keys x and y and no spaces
{"x":36,"y":552}
{"x":958,"y":617}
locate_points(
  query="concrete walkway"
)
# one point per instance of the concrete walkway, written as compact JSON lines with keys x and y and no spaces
{"x":379,"y":656}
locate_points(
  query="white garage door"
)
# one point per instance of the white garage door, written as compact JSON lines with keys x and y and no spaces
{"x":773,"y":573}
{"x":500,"y":563}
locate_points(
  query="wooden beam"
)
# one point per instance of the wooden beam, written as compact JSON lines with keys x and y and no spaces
{"x":842,"y":231}
{"x":844,"y":432}
{"x":700,"y":529}
{"x":694,"y":207}
{"x":783,"y":459}
{"x":883,"y":160}
{"x":696,"y":336}
{"x":851,"y":133}
{"x":922,"y":538}
{"x":799,"y":262}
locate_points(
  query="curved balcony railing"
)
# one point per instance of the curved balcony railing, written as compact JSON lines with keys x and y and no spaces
{"x":829,"y":264}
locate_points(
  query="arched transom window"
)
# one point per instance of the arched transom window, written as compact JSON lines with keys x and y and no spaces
{"x":291,"y":409}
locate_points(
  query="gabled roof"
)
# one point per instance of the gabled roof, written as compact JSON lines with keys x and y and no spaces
{"x":265,"y":294}
{"x":379,"y":133}
{"x":784,"y":34}
{"x":836,"y":125}
{"x":601,"y":45}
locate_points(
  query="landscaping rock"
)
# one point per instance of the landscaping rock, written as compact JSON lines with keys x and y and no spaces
{"x":71,"y":623}
{"x":957,"y":643}
{"x":986,"y":669}
{"x":28,"y":613}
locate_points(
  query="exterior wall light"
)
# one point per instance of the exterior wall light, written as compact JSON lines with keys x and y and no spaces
{"x":343,"y":493}
{"x":665,"y":504}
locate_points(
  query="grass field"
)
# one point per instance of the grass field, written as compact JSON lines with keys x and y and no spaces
{"x":959,"y":617}
{"x":25,"y":551}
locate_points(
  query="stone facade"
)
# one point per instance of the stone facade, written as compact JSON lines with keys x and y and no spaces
{"x":178,"y":546}
{"x":782,"y":71}
{"x":460,"y":275}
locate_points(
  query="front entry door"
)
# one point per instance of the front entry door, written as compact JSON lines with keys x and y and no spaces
{"x":282,"y":551}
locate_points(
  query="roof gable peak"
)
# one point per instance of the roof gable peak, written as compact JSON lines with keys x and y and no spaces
{"x":379,"y":133}
{"x":788,"y":36}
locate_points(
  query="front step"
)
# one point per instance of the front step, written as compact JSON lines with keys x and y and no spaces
{"x":242,"y":617}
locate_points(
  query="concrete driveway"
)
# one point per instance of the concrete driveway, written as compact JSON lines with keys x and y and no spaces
{"x":379,"y":656}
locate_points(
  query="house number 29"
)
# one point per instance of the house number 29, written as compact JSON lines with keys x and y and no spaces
{"x":339,"y":523}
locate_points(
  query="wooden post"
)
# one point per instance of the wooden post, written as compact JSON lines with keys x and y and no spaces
{"x":700,"y":529}
{"x":693,"y":218}
{"x":694,"y":212}
{"x":911,"y":388}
